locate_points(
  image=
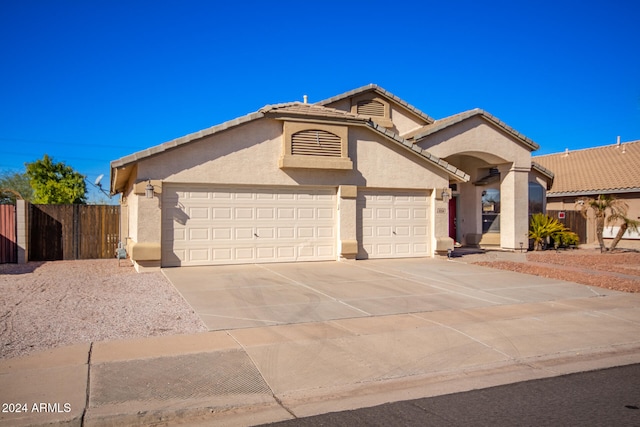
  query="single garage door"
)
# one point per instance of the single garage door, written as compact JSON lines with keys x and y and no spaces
{"x":392,"y":224}
{"x":206,"y":226}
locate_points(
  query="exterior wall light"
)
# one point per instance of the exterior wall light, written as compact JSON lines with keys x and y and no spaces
{"x":445,"y":195}
{"x":148,"y":190}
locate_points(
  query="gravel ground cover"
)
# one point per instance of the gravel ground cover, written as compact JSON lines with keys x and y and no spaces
{"x":52,"y":304}
{"x":617,"y":270}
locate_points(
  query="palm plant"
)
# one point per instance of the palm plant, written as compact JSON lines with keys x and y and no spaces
{"x":542,"y":227}
{"x":600,"y":206}
{"x":627,"y":224}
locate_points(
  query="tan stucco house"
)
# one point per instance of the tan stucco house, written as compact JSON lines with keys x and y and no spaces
{"x":361,"y":175}
{"x":608,"y":170}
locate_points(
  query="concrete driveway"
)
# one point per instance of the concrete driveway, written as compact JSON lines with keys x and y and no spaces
{"x":294,"y":340}
{"x":242,"y":296}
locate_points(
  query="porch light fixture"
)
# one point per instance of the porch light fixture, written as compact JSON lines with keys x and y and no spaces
{"x":445,"y":195}
{"x":148,"y":190}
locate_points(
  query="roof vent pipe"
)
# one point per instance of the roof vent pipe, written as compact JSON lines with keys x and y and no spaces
{"x":305,"y":98}
{"x":618,"y":143}
{"x":566,"y":151}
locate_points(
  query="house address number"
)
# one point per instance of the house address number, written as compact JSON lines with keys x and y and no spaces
{"x":441,"y":210}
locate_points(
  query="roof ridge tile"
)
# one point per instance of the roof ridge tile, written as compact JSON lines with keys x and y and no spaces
{"x":382,"y":91}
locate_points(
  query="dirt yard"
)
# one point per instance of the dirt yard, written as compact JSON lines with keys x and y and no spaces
{"x":617,"y":270}
{"x":59,"y":303}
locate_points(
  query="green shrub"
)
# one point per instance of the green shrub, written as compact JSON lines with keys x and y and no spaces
{"x":543,"y":227}
{"x":566,"y":238}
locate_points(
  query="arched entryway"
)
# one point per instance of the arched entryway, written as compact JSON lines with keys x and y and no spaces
{"x":491,"y":210}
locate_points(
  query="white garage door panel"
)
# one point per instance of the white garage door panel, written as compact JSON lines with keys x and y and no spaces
{"x":393,"y":224}
{"x":204,"y":226}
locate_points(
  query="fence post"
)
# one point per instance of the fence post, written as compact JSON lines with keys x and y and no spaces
{"x":22,"y":229}
{"x":76,"y":231}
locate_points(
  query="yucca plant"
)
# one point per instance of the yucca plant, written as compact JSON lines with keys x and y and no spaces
{"x":542,"y":227}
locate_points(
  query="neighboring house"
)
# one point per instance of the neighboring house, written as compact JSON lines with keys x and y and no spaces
{"x":607,"y":170}
{"x":360,"y":175}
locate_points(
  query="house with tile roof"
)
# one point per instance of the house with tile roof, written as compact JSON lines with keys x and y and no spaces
{"x":607,"y":170}
{"x":360,"y":175}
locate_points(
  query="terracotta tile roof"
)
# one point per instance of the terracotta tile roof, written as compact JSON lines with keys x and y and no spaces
{"x":380,"y":91}
{"x":452,"y":170}
{"x":457,"y":118}
{"x":608,"y":169}
{"x":546,"y":172}
{"x":132,"y":158}
{"x":284,"y":111}
{"x":308,"y":110}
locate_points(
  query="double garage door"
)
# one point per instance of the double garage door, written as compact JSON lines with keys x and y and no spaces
{"x":206,"y":226}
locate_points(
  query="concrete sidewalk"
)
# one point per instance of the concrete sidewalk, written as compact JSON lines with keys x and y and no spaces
{"x":259,"y":375}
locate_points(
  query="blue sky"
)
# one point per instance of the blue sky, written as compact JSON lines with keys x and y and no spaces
{"x":88,"y":82}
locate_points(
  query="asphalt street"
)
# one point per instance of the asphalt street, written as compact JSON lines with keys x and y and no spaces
{"x":608,"y":397}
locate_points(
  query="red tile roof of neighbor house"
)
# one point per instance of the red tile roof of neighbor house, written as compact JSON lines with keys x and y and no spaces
{"x":607,"y":169}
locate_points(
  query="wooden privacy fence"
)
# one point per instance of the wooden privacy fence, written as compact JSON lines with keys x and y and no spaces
{"x":59,"y":232}
{"x":8,"y":237}
{"x":574,"y":221}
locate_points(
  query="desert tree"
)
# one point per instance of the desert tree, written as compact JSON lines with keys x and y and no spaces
{"x":55,"y":182}
{"x":14,"y":185}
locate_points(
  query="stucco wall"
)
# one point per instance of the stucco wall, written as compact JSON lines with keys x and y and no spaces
{"x":343,"y":104}
{"x":249,"y":155}
{"x":569,"y":203}
{"x":477,"y":137}
{"x":404,"y":122}
{"x":132,"y":217}
{"x":381,"y":163}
